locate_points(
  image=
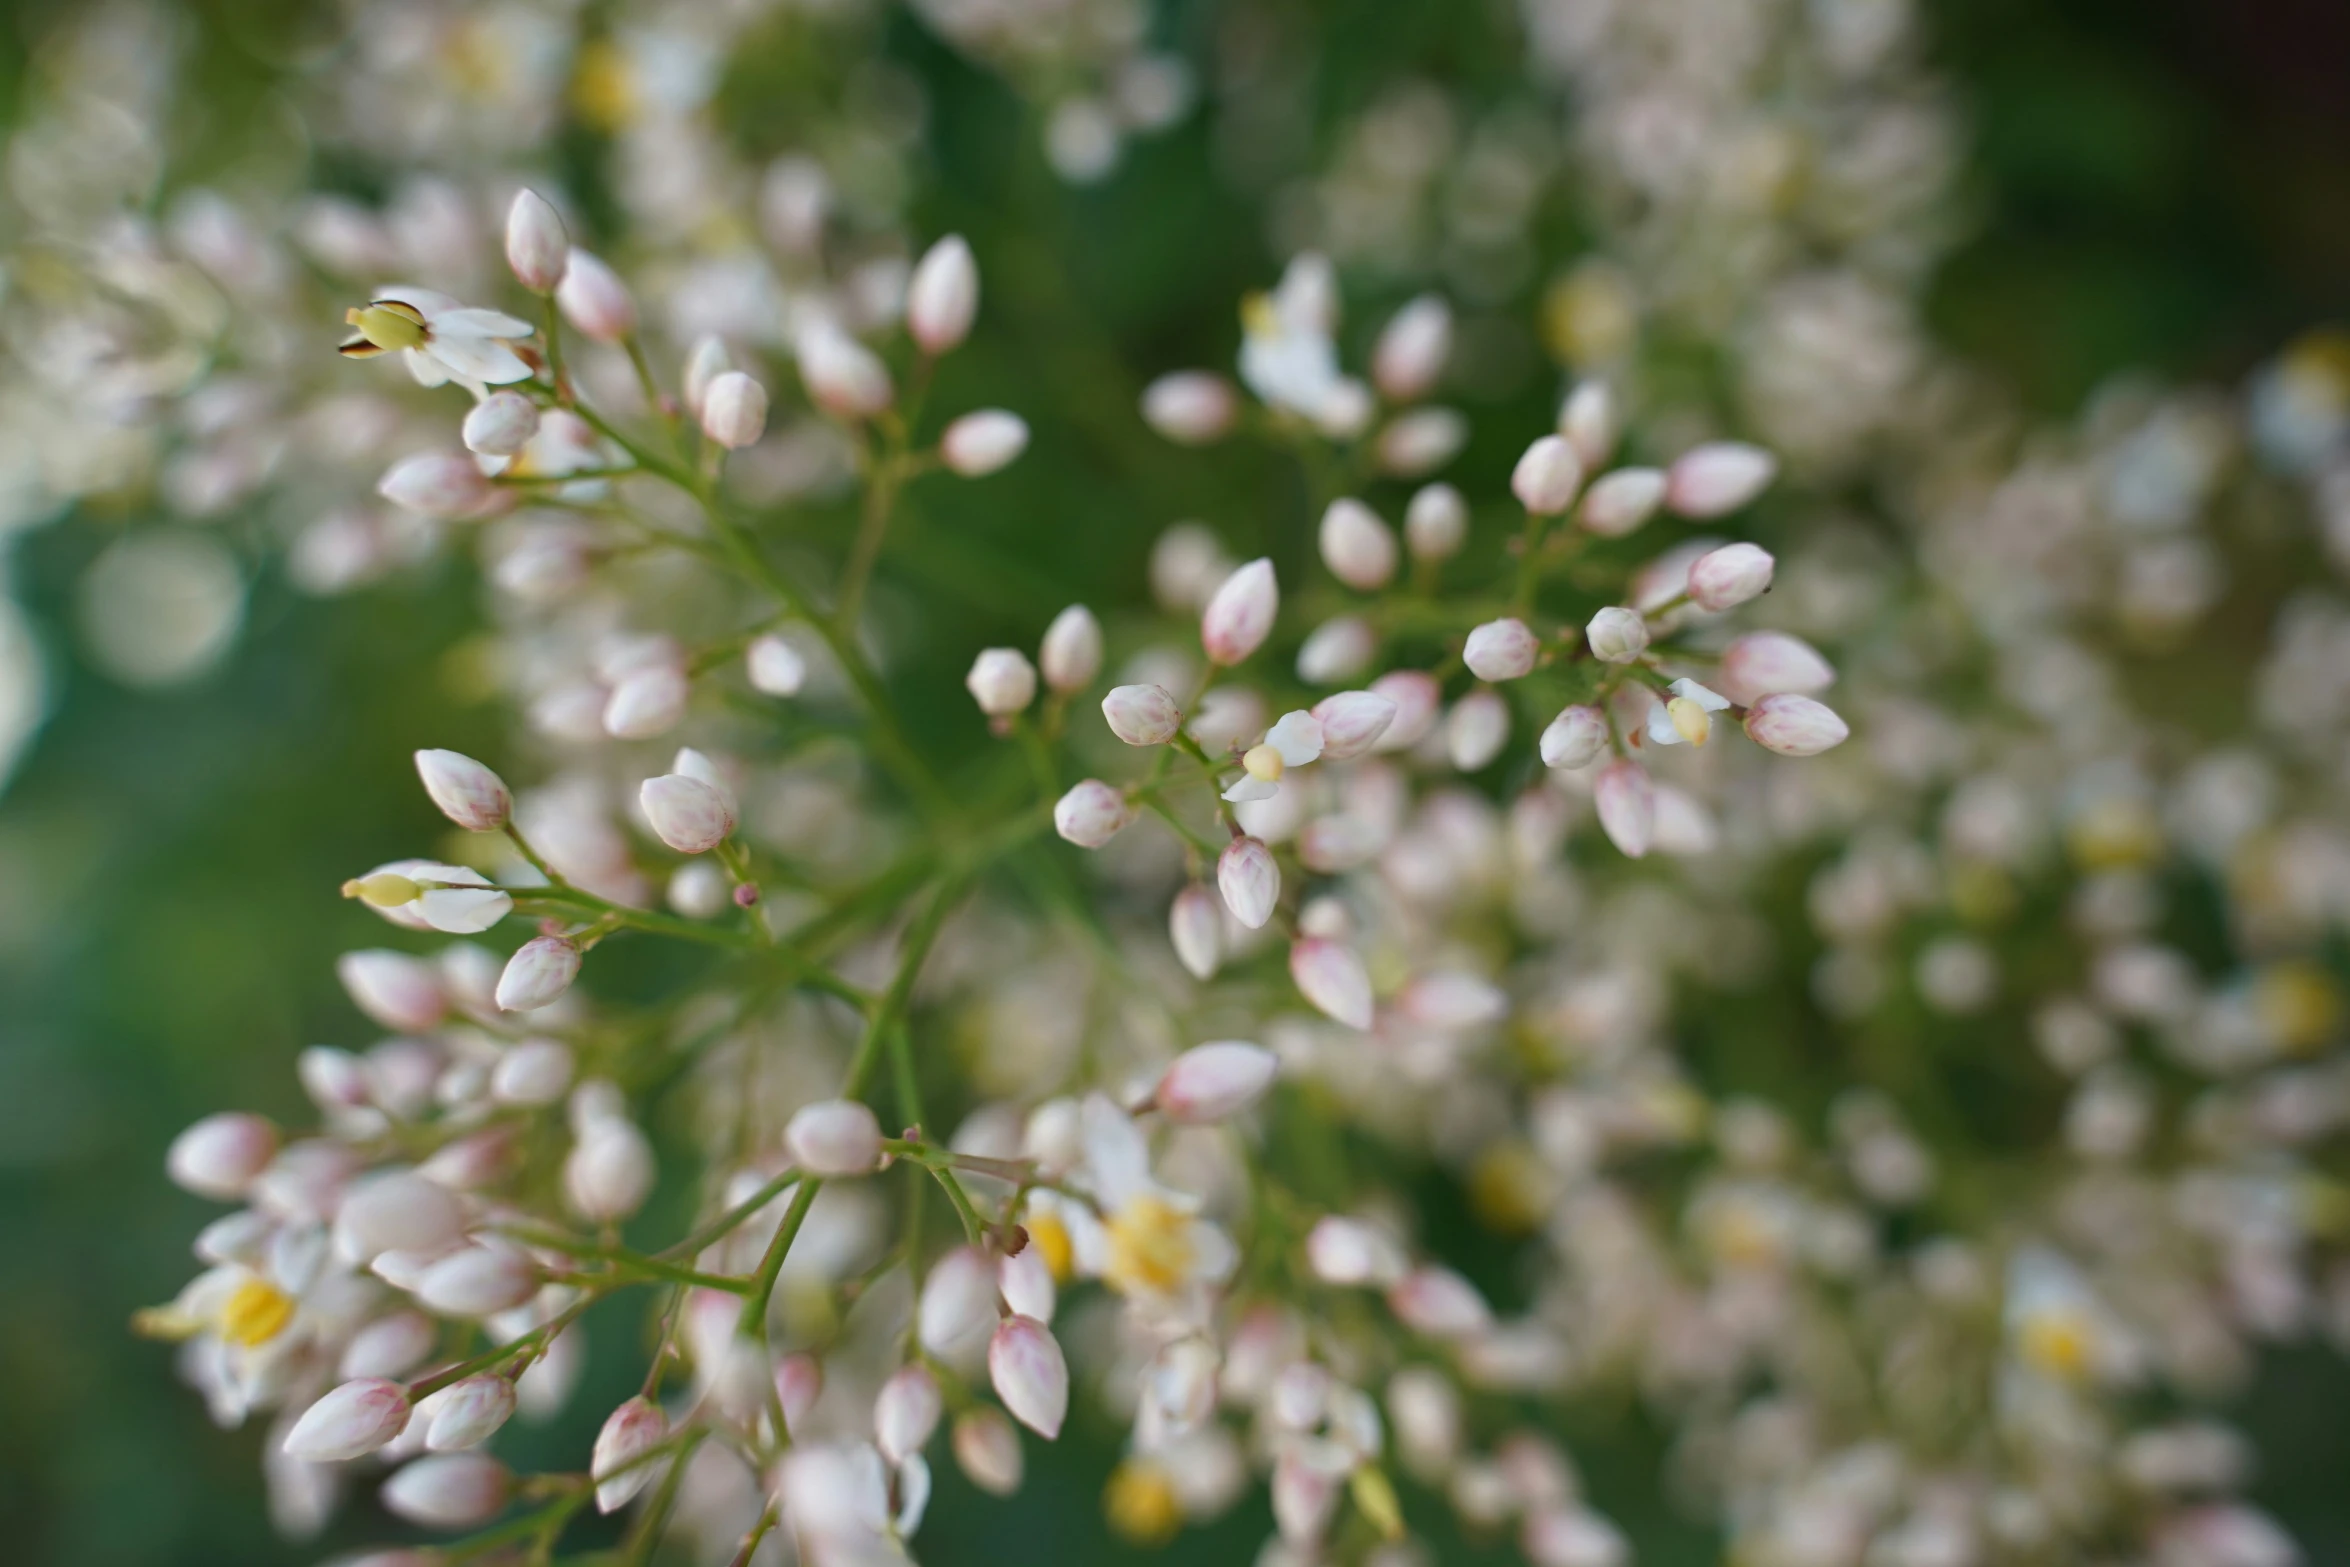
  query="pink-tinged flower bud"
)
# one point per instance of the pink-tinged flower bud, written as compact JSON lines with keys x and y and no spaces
{"x":1501,"y":650}
{"x":1351,"y":1251}
{"x":536,"y":245}
{"x":1418,"y":698}
{"x":1476,"y":730}
{"x":500,"y":425}
{"x":776,"y":667}
{"x":647,"y":702}
{"x":617,"y":1464}
{"x":906,"y":1412}
{"x":1588,"y":421}
{"x":1627,"y":806}
{"x":943,"y":297}
{"x":1772,"y":663}
{"x":1142,"y":715}
{"x":439,"y":484}
{"x":220,"y":1155}
{"x":734,"y":410}
{"x":1726,"y":578}
{"x":448,"y":1491}
{"x":1190,"y":407}
{"x":1196,"y":926}
{"x":842,"y":375}
{"x":1412,"y":348}
{"x":1024,"y":1362}
{"x":1717,"y":478}
{"x":477,"y":1281}
{"x":1616,"y":635}
{"x":1794,"y":725}
{"x":1576,"y":738}
{"x":686,"y":813}
{"x":1358,"y":548}
{"x":1352,"y":723}
{"x":1329,"y":975}
{"x":397,"y":1211}
{"x":1453,"y":1002}
{"x":1026,"y":1283}
{"x":978,"y":444}
{"x":609,"y":1172}
{"x":799,"y":1382}
{"x":958,"y":1301}
{"x":540,"y":970}
{"x":987,"y":1450}
{"x":390,"y":1346}
{"x":1436,"y":523}
{"x":834,"y":1137}
{"x":1091,"y":814}
{"x":594,"y":300}
{"x":1002,"y":681}
{"x":1304,"y":1497}
{"x":1425,"y":1410}
{"x":1547,"y":477}
{"x":1337,"y":649}
{"x":1071,"y":653}
{"x":1619,"y":502}
{"x":1240,"y":613}
{"x":468,"y":793}
{"x":1210,"y":1082}
{"x":532,"y":1072}
{"x":707,"y":361}
{"x":353,"y":1419}
{"x":1570,"y":1536}
{"x":1421,"y":441}
{"x":466,"y":1413}
{"x":402,"y":993}
{"x":1250,"y":881}
{"x":1439,"y":1303}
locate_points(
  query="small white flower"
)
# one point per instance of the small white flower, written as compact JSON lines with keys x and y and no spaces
{"x":1687,"y":716}
{"x":441,"y":340}
{"x":1292,"y":742}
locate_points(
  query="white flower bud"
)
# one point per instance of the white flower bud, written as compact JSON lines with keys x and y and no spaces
{"x":1436,"y":523}
{"x":594,"y":300}
{"x":1002,"y":681}
{"x":1352,"y":723}
{"x":1412,"y":348}
{"x":531,"y":1072}
{"x":776,"y":668}
{"x":1215,"y":1081}
{"x":448,"y":1491}
{"x":1627,"y":806}
{"x":987,"y":1450}
{"x":397,"y":1211}
{"x":842,"y":375}
{"x":220,"y":1155}
{"x":1572,"y":1537}
{"x":1547,"y":477}
{"x":1476,"y":730}
{"x":1576,"y":738}
{"x":958,"y":1301}
{"x":799,"y":1382}
{"x":1725,"y":578}
{"x":617,"y":1463}
{"x":1250,"y":881}
{"x":734,"y":410}
{"x":1358,"y":548}
{"x":536,"y":245}
{"x":1196,"y":926}
{"x":1350,"y":1252}
{"x":978,"y":444}
{"x":1337,"y":649}
{"x":477,"y":1281}
{"x":540,"y":970}
{"x":402,"y":993}
{"x":1501,"y":650}
{"x":1190,"y":407}
{"x":705,"y":364}
{"x":1091,"y":814}
{"x":834,"y":1137}
{"x":1071,"y":653}
{"x":1332,"y":977}
{"x":466,"y":1413}
{"x":1425,"y":1411}
{"x":687,"y":814}
{"x":1588,"y":421}
{"x":1239,"y":615}
{"x":1794,"y":725}
{"x":1619,"y":502}
{"x":1717,"y":478}
{"x":1616,"y":635}
{"x":500,"y":425}
{"x":609,"y":1172}
{"x":1421,"y":441}
{"x":1025,"y":1364}
{"x":906,"y":1412}
{"x":943,"y":297}
{"x":468,"y":793}
{"x":390,"y":1346}
{"x":1439,"y":1303}
{"x":647,"y":702}
{"x":439,"y":484}
{"x":1142,"y":715}
{"x":1417,"y":697}
{"x":355,"y":1418}
{"x":1772,"y":663}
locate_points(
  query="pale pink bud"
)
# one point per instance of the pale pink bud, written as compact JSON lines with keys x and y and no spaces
{"x":1616,"y":635}
{"x":1421,"y":441}
{"x":467,"y":793}
{"x":477,"y":1281}
{"x":1142,"y":715}
{"x":1501,"y":650}
{"x":220,"y":1155}
{"x":1250,"y":881}
{"x":1571,"y":1536}
{"x":1576,"y":738}
{"x":1196,"y":926}
{"x":1547,"y":477}
{"x":397,"y":1210}
{"x":1725,"y":578}
{"x":1417,"y":697}
{"x":594,"y":300}
{"x":531,"y":1072}
{"x":1350,"y":1251}
{"x":1024,"y":1363}
{"x":1718,"y":478}
{"x":1026,"y":1283}
{"x":799,"y":1382}
{"x":1358,"y":548}
{"x":439,"y":484}
{"x":647,"y":702}
{"x":630,"y":1432}
{"x":1772,"y":663}
{"x":1213,"y":1081}
{"x":842,"y":374}
{"x":466,"y":1413}
{"x":610,"y":1170}
{"x":1627,"y":806}
{"x":978,"y":444}
{"x":402,"y":993}
{"x":834,"y":1137}
{"x":389,"y":1346}
{"x":1412,"y":348}
{"x":1619,"y":502}
{"x":1588,"y":421}
{"x":1352,"y":723}
{"x":1071,"y":653}
{"x":536,"y":246}
{"x":906,"y":1412}
{"x":1337,"y":649}
{"x":704,"y":365}
{"x":1476,"y":730}
{"x":1240,"y":613}
{"x":1436,"y":523}
{"x":1425,"y":1411}
{"x":1332,"y":977}
{"x":734,"y":410}
{"x":540,"y":970}
{"x":355,"y":1418}
{"x":1794,"y":725}
{"x":943,"y":297}
{"x":500,"y":425}
{"x":1091,"y":814}
{"x":987,"y":1450}
{"x":687,"y":814}
{"x":448,"y":1491}
{"x":1002,"y":681}
{"x":1439,"y":1303}
{"x":1190,"y":407}
{"x":776,"y":667}
{"x":1304,"y":1497}
{"x":958,"y":1301}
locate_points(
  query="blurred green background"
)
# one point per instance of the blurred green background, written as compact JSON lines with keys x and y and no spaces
{"x":2156,"y":183}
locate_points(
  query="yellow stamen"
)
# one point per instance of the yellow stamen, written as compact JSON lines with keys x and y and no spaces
{"x":1150,"y":1247}
{"x":388,"y":324}
{"x":1141,"y":1504}
{"x":2057,"y":1343}
{"x":1375,"y":1499}
{"x":1050,"y":1237}
{"x":383,"y":890}
{"x":1258,"y":318}
{"x":1263,"y":763}
{"x":1691,"y":719}
{"x":255,"y":1312}
{"x":603,"y":88}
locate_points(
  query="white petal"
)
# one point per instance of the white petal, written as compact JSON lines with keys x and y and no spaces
{"x":463,"y":911}
{"x":428,"y":302}
{"x":1660,"y":727}
{"x":1298,"y":737}
{"x":479,"y":359}
{"x":1712,"y":701}
{"x":1252,"y":787}
{"x":427,"y":370}
{"x":1115,"y":1153}
{"x":478,"y":323}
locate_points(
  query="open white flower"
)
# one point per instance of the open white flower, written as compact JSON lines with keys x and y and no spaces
{"x":1292,"y":742}
{"x":1289,"y":356}
{"x":1686,"y":716}
{"x":1144,"y":1240}
{"x":442,"y":340}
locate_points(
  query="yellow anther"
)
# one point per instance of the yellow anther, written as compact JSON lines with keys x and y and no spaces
{"x":2057,"y":1343}
{"x":1141,"y":1503}
{"x":1691,"y":719}
{"x":388,"y":324}
{"x":1050,"y":1237}
{"x":383,"y":890}
{"x":1258,"y":318}
{"x":1263,"y":763}
{"x":1374,"y":1496}
{"x":255,"y":1312}
{"x":1150,"y":1247}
